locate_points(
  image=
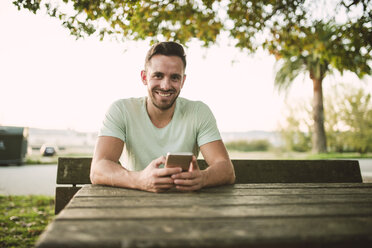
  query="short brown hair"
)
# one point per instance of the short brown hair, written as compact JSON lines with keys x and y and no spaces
{"x":168,"y":48}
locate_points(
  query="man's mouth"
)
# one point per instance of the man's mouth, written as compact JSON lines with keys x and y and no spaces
{"x":164,"y":93}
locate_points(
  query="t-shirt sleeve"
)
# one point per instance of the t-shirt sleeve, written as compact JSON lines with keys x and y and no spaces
{"x":207,"y":126}
{"x":114,"y":122}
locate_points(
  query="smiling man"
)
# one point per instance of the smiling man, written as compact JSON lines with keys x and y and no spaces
{"x":138,"y":132}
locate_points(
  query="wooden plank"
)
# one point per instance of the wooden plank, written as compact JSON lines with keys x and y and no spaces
{"x":252,"y":232}
{"x":297,"y":171}
{"x":162,"y":200}
{"x":367,"y":186}
{"x":324,"y":215}
{"x":77,"y":170}
{"x":63,"y":197}
{"x":290,"y":186}
{"x":73,"y":170}
{"x":210,"y":212}
{"x":233,"y":190}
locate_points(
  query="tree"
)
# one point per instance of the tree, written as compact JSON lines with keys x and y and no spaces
{"x":289,"y":29}
{"x":303,"y":43}
{"x":317,"y":50}
{"x":348,"y":126}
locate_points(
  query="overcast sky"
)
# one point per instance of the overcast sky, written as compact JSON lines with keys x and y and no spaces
{"x":48,"y":79}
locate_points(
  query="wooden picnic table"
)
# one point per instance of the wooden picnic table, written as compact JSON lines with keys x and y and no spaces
{"x":241,"y":215}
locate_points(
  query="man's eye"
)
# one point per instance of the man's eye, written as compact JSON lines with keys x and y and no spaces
{"x":176,"y":78}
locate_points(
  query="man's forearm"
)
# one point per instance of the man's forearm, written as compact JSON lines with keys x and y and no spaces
{"x":218,"y":174}
{"x":107,"y":172}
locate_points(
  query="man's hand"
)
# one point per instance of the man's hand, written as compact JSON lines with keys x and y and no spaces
{"x":155,"y":179}
{"x":191,"y":180}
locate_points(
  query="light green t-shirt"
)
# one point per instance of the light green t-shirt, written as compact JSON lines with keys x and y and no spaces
{"x":192,"y":126}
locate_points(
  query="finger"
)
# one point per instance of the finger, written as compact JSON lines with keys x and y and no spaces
{"x":165,"y":186}
{"x":168,"y":171}
{"x":159,"y":161}
{"x":184,"y":182}
{"x":184,"y":175}
{"x":194,"y":164}
{"x":164,"y":180}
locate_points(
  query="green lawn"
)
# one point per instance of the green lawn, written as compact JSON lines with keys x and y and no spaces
{"x":23,"y":218}
{"x":295,"y":155}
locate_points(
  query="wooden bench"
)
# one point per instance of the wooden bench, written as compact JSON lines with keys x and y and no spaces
{"x":75,"y":171}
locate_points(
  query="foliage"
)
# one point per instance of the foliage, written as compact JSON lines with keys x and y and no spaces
{"x":278,"y":25}
{"x":317,"y":50}
{"x":303,"y":41}
{"x":134,"y":20}
{"x":23,"y":218}
{"x":32,"y":159}
{"x":292,"y":30}
{"x":331,"y":155}
{"x":252,"y":23}
{"x":248,"y":146}
{"x":348,"y":122}
{"x":296,"y":132}
{"x":40,"y":159}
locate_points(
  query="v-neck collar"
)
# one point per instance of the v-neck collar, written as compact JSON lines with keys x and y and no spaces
{"x":148,"y":119}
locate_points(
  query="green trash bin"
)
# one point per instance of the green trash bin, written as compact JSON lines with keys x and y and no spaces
{"x":13,"y":145}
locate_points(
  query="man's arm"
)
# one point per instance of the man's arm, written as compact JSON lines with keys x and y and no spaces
{"x":106,"y":170}
{"x":220,"y":170}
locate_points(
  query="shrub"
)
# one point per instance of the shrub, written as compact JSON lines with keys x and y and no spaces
{"x":248,"y":146}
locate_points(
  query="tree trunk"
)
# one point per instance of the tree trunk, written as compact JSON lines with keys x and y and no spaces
{"x":319,"y":137}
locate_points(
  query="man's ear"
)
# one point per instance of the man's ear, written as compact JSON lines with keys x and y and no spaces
{"x":144,"y":77}
{"x":183,"y":81}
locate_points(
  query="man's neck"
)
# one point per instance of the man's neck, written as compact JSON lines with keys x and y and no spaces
{"x":160,"y":118}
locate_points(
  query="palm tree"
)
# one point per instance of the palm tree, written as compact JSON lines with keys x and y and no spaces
{"x":318,"y":50}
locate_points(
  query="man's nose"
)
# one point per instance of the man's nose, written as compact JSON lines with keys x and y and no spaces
{"x":165,"y":84}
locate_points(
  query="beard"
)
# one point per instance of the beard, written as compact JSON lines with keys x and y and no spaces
{"x":163,"y":105}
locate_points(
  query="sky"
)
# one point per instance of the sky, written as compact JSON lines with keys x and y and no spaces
{"x":48,"y":79}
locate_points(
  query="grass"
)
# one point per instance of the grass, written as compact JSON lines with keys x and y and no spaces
{"x":23,"y":218}
{"x":349,"y":155}
{"x":278,"y":154}
{"x":39,"y":159}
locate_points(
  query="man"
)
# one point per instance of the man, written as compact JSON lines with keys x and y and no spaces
{"x":145,"y":129}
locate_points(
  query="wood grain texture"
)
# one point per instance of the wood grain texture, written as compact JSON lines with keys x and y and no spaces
{"x":161,"y":201}
{"x":63,"y":196}
{"x":236,"y":190}
{"x":73,"y":170}
{"x":248,"y":232}
{"x":254,"y":215}
{"x":287,"y":203}
{"x":77,"y":170}
{"x":297,"y":171}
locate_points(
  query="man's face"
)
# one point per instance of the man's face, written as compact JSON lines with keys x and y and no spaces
{"x":164,"y":78}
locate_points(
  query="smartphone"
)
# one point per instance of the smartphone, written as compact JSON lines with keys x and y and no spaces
{"x":179,"y":159}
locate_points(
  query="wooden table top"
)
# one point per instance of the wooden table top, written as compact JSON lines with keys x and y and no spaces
{"x":241,"y":215}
